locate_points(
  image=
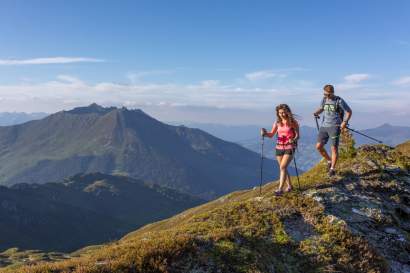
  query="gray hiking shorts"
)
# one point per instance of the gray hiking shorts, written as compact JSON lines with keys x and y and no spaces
{"x":332,"y":132}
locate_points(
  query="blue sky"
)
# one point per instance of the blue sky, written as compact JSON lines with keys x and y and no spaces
{"x":207,"y":61}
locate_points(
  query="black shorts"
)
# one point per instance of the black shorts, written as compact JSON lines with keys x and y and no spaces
{"x":329,"y":132}
{"x":284,"y":152}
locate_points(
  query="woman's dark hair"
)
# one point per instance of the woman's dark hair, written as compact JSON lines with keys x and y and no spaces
{"x":291,"y":117}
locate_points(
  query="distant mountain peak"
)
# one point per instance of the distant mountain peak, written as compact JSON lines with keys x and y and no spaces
{"x":98,"y":109}
{"x":95,"y":105}
{"x":92,"y":108}
{"x":386,"y":125}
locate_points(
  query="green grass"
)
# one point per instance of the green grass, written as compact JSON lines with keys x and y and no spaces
{"x":404,"y":148}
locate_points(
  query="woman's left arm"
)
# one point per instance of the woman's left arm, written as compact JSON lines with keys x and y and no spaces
{"x":297,"y":134}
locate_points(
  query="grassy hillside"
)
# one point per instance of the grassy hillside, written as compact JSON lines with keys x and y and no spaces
{"x":404,"y":148}
{"x":357,"y":221}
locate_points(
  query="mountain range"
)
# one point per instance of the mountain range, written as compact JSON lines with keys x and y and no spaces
{"x":248,"y":137}
{"x":13,"y":118}
{"x":128,"y":142}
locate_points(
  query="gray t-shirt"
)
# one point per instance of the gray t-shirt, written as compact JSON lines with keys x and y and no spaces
{"x":330,"y":115}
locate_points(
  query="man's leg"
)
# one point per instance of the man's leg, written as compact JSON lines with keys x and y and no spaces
{"x":322,"y":151}
{"x":322,"y":139}
{"x":335,"y":155}
{"x":335,"y":134}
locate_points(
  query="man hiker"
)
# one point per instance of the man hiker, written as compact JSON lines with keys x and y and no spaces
{"x":334,"y":120}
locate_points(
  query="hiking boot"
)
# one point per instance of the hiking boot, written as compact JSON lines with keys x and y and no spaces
{"x":332,"y":172}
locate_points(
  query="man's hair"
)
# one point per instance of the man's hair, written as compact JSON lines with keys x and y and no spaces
{"x":329,"y":88}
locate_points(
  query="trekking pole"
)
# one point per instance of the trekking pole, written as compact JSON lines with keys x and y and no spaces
{"x":297,"y":172}
{"x":260,"y":185}
{"x":357,"y":132}
{"x":317,"y":123}
{"x":296,"y":167}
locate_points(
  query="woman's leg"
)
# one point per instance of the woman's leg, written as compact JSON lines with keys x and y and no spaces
{"x":282,"y":175}
{"x":286,"y":159}
{"x":289,"y":182}
{"x":289,"y":185}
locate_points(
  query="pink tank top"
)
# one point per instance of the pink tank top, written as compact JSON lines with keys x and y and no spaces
{"x":285,"y":134}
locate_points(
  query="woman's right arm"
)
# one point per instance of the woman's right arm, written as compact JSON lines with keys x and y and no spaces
{"x":273,"y":131}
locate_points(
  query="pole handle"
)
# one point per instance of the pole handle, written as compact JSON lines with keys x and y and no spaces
{"x":316,"y":120}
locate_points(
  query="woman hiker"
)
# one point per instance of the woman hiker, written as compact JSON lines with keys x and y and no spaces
{"x":287,"y":129}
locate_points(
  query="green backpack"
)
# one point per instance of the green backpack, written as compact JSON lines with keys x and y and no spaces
{"x":339,"y":109}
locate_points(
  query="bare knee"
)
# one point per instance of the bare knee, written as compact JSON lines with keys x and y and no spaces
{"x":283,"y":167}
{"x":319,"y":146}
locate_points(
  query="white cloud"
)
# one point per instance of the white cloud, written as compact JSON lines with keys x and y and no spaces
{"x":352,"y":81}
{"x":70,"y":79}
{"x":356,"y":78}
{"x":67,"y":91}
{"x":49,"y":60}
{"x":263,"y":75}
{"x":403,"y":81}
{"x":135,"y":77}
{"x":209,"y":83}
{"x":273,"y":73}
{"x":56,"y":94}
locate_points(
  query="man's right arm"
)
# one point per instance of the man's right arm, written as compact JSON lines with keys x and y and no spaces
{"x":320,"y":109}
{"x":318,"y":112}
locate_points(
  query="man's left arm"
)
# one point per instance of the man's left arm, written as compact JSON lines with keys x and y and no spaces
{"x":348,"y":111}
